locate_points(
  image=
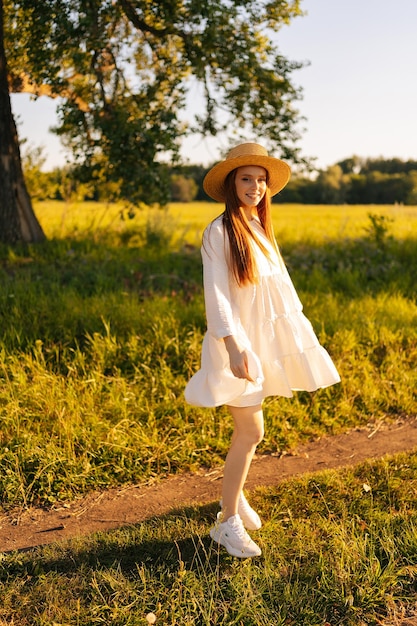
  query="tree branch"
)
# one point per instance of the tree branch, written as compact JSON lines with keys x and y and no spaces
{"x":21,"y":83}
{"x":133,"y":17}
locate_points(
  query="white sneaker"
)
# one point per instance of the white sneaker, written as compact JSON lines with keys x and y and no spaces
{"x":232,"y":535}
{"x":249,"y":517}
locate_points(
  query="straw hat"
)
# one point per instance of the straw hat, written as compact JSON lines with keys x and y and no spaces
{"x":246,"y":154}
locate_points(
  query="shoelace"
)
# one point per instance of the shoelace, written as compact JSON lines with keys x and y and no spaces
{"x":238,"y":527}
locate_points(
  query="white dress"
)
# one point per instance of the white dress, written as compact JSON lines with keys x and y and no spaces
{"x":268,"y":322}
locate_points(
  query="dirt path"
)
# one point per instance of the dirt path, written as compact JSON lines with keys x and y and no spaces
{"x":114,"y":508}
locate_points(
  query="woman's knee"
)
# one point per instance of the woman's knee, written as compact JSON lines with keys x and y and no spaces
{"x":249,"y":424}
{"x":258,"y":434}
{"x":251,"y":434}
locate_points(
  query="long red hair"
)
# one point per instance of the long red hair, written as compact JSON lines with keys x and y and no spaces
{"x":242,"y":261}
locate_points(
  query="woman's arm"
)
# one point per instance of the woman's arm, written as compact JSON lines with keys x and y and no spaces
{"x":238,"y":358}
{"x":219,"y":314}
{"x":220,"y":321}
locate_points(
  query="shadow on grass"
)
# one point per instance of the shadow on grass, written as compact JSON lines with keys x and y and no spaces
{"x":90,"y":267}
{"x":128,"y":547}
{"x":354,"y":267}
{"x":60,"y":291}
{"x":351,"y":266}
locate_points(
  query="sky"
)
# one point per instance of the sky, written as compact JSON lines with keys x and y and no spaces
{"x":359,"y":87}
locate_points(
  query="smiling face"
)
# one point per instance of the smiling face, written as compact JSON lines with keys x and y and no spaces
{"x":251,"y":186}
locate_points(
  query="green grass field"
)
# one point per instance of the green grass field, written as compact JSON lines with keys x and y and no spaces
{"x":102,"y":327}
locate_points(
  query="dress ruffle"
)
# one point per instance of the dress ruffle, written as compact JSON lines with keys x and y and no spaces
{"x":214,"y":384}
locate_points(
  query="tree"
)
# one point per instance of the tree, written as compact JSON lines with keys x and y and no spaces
{"x":183,"y":189}
{"x":17,"y":220}
{"x":388,"y":166}
{"x":331,"y":184}
{"x":121,"y":69}
{"x":352,"y":165}
{"x":412,"y":194}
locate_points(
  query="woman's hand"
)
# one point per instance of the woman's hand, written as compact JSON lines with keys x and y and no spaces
{"x":238,"y":358}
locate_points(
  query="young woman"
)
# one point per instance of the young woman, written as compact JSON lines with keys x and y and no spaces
{"x":258,"y":341}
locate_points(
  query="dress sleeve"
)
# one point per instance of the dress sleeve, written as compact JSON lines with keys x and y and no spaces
{"x":220,"y":321}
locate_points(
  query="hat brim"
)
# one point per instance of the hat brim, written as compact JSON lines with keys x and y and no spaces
{"x":278,"y":174}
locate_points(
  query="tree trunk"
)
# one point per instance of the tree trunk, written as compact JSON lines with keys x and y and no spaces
{"x":17,"y":219}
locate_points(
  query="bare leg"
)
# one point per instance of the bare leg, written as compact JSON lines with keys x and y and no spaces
{"x":248,"y":432}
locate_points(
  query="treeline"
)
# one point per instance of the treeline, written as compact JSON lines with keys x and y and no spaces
{"x":357,"y":181}
{"x":352,"y":181}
